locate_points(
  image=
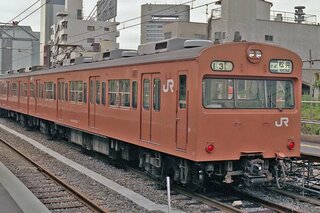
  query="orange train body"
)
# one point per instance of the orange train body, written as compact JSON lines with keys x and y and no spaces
{"x":207,"y":106}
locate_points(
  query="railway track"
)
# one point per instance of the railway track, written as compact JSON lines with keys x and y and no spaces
{"x":236,"y":201}
{"x":53,"y":192}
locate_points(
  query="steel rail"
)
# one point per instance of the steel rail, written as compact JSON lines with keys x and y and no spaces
{"x":208,"y":201}
{"x":269,"y":204}
{"x":82,"y":198}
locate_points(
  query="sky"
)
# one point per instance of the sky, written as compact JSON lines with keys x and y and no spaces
{"x":128,"y":9}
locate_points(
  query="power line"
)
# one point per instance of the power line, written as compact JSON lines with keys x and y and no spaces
{"x":23,"y":11}
{"x":131,"y":26}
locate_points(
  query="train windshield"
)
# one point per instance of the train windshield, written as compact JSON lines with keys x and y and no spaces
{"x":247,"y":93}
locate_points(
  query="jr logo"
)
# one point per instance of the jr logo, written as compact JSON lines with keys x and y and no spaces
{"x":169,"y":86}
{"x":283,"y":121}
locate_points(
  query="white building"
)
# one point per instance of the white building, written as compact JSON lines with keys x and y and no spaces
{"x":19,"y":47}
{"x":154,"y":16}
{"x":48,"y":18}
{"x":72,"y":35}
{"x":255,"y":21}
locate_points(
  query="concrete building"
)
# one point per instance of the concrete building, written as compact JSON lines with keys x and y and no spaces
{"x":254,"y":20}
{"x":72,"y":36}
{"x":185,"y":30}
{"x":19,"y":47}
{"x":154,"y":16}
{"x":48,"y":18}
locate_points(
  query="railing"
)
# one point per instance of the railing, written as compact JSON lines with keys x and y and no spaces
{"x":275,"y":15}
{"x":310,"y":117}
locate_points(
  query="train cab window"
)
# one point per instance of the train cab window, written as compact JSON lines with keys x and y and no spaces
{"x":248,"y":93}
{"x":103,"y":93}
{"x":182,"y":91}
{"x":146,"y":94}
{"x":98,"y":92}
{"x":156,"y":94}
{"x":134,"y":94}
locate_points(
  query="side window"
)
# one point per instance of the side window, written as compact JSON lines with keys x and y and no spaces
{"x":113,"y":86}
{"x":146,"y":94}
{"x":156,"y":94}
{"x":103,"y":93}
{"x":79,"y":91}
{"x":72,"y":93}
{"x":182,"y":91}
{"x":91,"y":92}
{"x":97,"y":91}
{"x":85,"y":92}
{"x":134,"y":94}
{"x":32,"y":90}
{"x":124,"y":93}
{"x":66,"y":91}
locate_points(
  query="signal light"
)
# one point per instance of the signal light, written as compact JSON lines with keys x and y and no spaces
{"x":210,"y":148}
{"x":291,"y":145}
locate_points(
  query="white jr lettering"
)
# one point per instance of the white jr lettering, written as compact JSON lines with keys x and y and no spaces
{"x":283,"y":121}
{"x":169,"y":86}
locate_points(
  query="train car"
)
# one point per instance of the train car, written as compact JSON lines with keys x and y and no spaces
{"x":201,"y":113}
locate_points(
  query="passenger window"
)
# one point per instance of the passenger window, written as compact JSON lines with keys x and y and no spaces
{"x":113,"y":90}
{"x":134,"y":94}
{"x":85,"y":92}
{"x":103,"y":94}
{"x":182,"y":91}
{"x":146,"y":94}
{"x":124,"y":91}
{"x":91,"y":92}
{"x":156,"y":94}
{"x":66,"y":91}
{"x":98,"y":92}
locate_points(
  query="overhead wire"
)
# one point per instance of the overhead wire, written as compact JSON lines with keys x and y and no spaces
{"x":131,"y":26}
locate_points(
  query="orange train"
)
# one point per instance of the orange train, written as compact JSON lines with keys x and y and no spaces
{"x":223,"y":112}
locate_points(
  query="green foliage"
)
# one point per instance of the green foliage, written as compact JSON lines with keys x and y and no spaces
{"x":317,"y":84}
{"x":310,"y":111}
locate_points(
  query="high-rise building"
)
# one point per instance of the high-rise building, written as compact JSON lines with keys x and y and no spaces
{"x":48,"y":18}
{"x":154,"y":16}
{"x":73,"y":37}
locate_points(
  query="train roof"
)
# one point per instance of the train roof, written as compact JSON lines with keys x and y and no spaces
{"x":182,"y":54}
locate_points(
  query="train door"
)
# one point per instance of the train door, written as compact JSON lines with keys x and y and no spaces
{"x":182,"y":112}
{"x":94,"y":92}
{"x":151,"y":108}
{"x":60,"y":98}
{"x":37,"y":96}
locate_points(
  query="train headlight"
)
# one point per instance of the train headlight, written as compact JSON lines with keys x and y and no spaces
{"x":210,"y":148}
{"x":258,"y":54}
{"x":254,"y":54}
{"x":251,"y":54}
{"x":291,"y":145}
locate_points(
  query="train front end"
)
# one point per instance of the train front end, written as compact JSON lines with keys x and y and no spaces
{"x":249,"y":118}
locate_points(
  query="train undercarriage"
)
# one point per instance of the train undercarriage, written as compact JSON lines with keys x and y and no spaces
{"x":249,"y":170}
